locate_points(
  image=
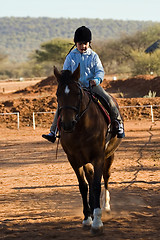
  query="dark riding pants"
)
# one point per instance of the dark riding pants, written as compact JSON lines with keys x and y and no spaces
{"x":108,"y":102}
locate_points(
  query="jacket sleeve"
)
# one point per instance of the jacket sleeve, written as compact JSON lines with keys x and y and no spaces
{"x":67,"y":63}
{"x":98,"y":70}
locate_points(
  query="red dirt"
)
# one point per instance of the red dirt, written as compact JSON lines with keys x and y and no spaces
{"x":39,"y":193}
{"x":41,"y":98}
{"x":136,"y":87}
{"x":40,"y":197}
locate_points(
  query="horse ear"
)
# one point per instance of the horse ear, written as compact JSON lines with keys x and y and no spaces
{"x":56,"y":73}
{"x":76,"y":73}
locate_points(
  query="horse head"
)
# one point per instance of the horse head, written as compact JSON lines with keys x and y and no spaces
{"x":69,"y":96}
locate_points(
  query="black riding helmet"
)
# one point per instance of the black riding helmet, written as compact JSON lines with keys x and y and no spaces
{"x":82,"y":34}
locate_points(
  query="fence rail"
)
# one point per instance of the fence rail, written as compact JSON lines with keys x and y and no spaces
{"x":147,"y":106}
{"x":52,"y":112}
{"x":34,"y":119}
{"x":14,"y":113}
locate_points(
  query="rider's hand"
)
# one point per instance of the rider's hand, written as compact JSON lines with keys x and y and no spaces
{"x":92,"y":83}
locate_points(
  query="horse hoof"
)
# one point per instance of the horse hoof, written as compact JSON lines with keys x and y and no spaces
{"x":87,"y":223}
{"x":107,"y":210}
{"x":86,"y":227}
{"x":97,"y":231}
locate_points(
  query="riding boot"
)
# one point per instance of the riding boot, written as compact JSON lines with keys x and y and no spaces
{"x":53,"y":130}
{"x":50,"y":137}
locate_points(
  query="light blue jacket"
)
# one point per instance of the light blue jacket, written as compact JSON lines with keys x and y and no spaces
{"x":90,"y":66}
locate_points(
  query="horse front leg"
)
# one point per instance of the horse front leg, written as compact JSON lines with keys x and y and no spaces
{"x":89,"y":173}
{"x":97,"y":225}
{"x":83,"y":187}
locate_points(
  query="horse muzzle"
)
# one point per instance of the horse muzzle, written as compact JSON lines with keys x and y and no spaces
{"x":68,"y":127}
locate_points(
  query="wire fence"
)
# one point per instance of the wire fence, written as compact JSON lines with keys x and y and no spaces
{"x":150,"y":114}
{"x":34,"y":117}
{"x":14,"y":113}
{"x":151,"y":107}
{"x":144,"y":106}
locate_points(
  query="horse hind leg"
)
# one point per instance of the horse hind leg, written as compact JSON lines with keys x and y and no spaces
{"x":106,"y":201}
{"x":106,"y":175}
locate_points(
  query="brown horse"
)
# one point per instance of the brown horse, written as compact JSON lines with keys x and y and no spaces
{"x":83,"y":137}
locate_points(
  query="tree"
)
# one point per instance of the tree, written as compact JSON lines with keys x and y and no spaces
{"x":146,"y":63}
{"x":122,"y":54}
{"x":53,"y":51}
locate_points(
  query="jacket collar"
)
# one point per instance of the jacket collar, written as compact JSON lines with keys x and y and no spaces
{"x":88,"y":52}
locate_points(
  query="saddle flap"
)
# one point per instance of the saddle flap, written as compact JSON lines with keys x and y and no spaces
{"x":101,"y":107}
{"x":105,"y":112}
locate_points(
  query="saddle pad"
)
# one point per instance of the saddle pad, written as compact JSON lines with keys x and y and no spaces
{"x":58,"y":123}
{"x":104,"y":111}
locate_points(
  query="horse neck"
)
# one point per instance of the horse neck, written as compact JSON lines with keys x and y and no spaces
{"x":85,"y":100}
{"x":86,"y":104}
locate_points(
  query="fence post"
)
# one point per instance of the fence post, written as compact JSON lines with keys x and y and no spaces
{"x":152,"y":113}
{"x":34,"y":123}
{"x":18,"y":120}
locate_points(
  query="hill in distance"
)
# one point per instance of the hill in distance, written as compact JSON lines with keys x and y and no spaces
{"x":20,"y":36}
{"x":134,"y":87}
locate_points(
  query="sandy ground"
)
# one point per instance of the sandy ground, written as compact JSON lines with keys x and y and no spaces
{"x":40,"y":198}
{"x":10,"y":86}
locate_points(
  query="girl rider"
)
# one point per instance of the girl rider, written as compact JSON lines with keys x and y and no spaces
{"x":91,"y":70}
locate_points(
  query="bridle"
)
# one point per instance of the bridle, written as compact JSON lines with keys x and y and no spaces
{"x":77,"y":108}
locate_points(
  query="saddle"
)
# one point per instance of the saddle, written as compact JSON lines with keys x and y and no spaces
{"x":96,"y":99}
{"x":111,"y":131}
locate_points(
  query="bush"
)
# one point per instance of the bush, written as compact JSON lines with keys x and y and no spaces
{"x":143,"y":63}
{"x":150,"y":94}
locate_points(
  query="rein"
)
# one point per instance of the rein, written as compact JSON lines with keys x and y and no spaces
{"x":84,"y":111}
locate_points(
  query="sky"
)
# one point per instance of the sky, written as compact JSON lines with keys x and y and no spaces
{"x":143,"y":10}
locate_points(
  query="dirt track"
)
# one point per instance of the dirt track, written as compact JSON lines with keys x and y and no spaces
{"x":40,"y":197}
